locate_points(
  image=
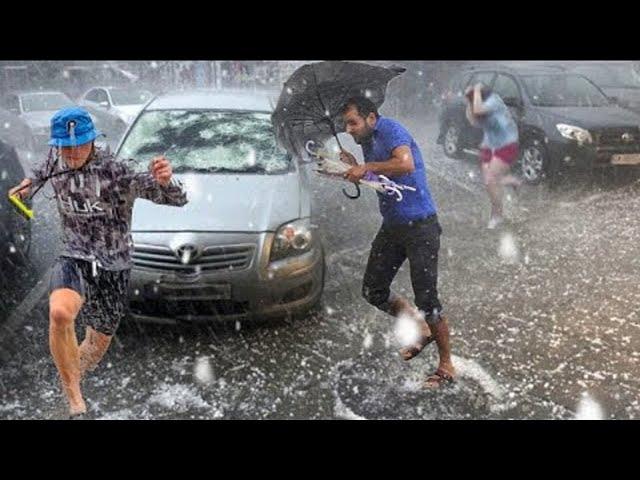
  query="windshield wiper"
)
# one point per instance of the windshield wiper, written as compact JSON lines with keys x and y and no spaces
{"x":186,"y":169}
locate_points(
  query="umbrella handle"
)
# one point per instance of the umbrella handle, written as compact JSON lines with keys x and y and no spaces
{"x":309,"y":147}
{"x":352,"y":197}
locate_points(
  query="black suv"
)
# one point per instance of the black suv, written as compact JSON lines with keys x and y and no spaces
{"x":564,"y":120}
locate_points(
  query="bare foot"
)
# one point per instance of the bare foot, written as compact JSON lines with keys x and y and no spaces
{"x":77,"y":406}
{"x":76,"y":409}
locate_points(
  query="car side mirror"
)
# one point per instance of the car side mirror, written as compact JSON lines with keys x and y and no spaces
{"x":104,"y":104}
{"x":14,"y":110}
{"x":614,"y":100}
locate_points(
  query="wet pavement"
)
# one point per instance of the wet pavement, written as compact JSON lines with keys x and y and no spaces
{"x":543,"y":314}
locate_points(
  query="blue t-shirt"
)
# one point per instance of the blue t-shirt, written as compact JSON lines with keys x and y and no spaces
{"x":389,"y":134}
{"x":498,"y":125}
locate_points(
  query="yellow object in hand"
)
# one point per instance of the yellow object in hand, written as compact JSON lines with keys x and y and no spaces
{"x":21,"y":207}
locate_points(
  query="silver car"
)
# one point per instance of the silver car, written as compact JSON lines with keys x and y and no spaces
{"x":36,"y":109}
{"x":245,"y":244}
{"x":123,"y":103}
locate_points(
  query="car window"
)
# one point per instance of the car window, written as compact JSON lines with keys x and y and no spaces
{"x":486,"y":78}
{"x":611,"y":75}
{"x":91,"y":96}
{"x":123,"y":96}
{"x":207,"y":141}
{"x":506,"y":87}
{"x":563,"y":91}
{"x":101,"y":96}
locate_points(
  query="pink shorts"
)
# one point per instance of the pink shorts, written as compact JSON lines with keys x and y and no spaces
{"x":508,"y":154}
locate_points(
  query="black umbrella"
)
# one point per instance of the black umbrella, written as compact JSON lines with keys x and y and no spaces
{"x":312,"y":97}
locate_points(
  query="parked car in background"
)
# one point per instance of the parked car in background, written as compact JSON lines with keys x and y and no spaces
{"x":244,"y":245}
{"x":78,"y":78}
{"x":38,"y":107}
{"x":565,"y":121}
{"x":123,"y":102}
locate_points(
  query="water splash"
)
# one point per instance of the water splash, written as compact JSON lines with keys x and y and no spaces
{"x":508,"y":250}
{"x":588,"y":409}
{"x":406,"y":330}
{"x":202,"y":371}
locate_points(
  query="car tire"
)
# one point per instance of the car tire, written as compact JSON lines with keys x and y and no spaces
{"x":316,"y":307}
{"x":534,"y":162}
{"x":451,"y":141}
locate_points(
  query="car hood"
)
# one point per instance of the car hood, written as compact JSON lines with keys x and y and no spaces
{"x":225,"y":203}
{"x":593,"y":117}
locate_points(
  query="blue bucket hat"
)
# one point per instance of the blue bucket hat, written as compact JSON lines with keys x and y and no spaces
{"x":71,"y":127}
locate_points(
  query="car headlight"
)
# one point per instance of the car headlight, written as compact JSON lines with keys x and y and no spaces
{"x":572,"y":132}
{"x":291,"y":239}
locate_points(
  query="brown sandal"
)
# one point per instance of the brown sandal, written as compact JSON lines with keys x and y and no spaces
{"x":438,"y":378}
{"x":415,"y":349}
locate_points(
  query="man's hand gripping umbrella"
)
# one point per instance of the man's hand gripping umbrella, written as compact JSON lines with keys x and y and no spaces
{"x":331,"y":167}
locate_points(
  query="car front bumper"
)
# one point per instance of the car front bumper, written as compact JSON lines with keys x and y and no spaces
{"x":261,"y":289}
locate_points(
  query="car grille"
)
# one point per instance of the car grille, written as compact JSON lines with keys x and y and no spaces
{"x":184,"y":310}
{"x":611,"y":139}
{"x":214,"y":258}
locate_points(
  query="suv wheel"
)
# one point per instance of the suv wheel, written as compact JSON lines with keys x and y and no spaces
{"x":451,"y":143}
{"x":534,"y":162}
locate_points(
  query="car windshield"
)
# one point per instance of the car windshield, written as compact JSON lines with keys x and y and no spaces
{"x":123,"y":96}
{"x":563,"y":91}
{"x":45,"y":102}
{"x":207,"y":141}
{"x":611,"y":75}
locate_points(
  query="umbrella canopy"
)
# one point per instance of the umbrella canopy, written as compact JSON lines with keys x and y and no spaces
{"x":309,"y":105}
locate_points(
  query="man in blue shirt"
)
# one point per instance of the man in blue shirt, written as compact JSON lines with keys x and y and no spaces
{"x":410,"y":229}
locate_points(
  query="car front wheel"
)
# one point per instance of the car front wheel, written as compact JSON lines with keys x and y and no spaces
{"x":451,"y":143}
{"x":534,"y":162}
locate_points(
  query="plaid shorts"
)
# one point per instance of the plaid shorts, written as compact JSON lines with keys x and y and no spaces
{"x":105,"y":292}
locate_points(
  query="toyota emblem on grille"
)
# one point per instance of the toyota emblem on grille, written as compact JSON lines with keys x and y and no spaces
{"x":627,"y":137}
{"x":187,"y":253}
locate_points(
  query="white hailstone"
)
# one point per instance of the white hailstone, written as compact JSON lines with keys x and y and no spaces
{"x":202,"y":371}
{"x":588,"y":409}
{"x":406,"y":330}
{"x":508,"y":249}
